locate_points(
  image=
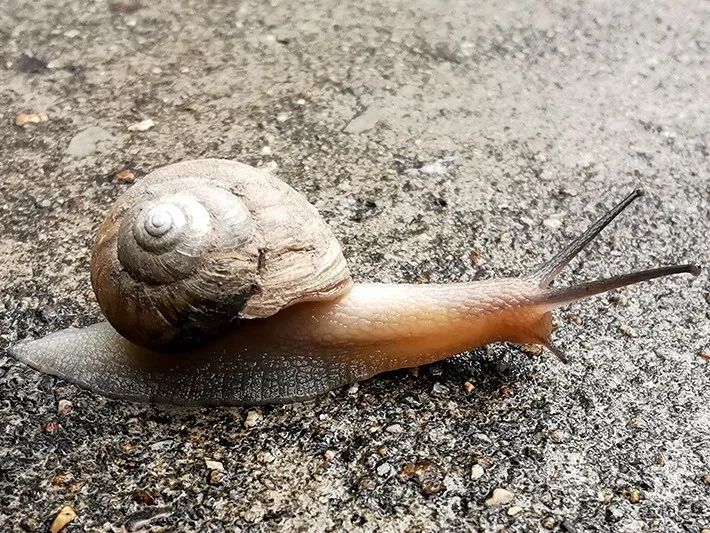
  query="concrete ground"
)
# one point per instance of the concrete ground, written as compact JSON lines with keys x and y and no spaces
{"x":444,"y":141}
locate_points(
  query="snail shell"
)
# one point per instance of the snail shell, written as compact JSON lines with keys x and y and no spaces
{"x":196,"y":246}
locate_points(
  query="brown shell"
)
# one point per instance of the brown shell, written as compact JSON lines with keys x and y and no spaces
{"x":242,"y":245}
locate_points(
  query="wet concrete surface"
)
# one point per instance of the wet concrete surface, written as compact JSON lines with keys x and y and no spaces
{"x":443,"y":141}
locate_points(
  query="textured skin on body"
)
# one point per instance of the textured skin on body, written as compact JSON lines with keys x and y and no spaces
{"x":260,"y":247}
{"x":214,"y":375}
{"x":303,"y":351}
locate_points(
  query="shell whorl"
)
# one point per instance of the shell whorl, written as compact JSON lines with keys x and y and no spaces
{"x":196,"y":246}
{"x":165,"y":240}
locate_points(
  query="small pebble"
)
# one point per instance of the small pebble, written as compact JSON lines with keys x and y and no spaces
{"x":161,"y":445}
{"x":35,"y":117}
{"x":704,"y":354}
{"x":427,"y":473}
{"x":329,"y":455}
{"x":125,"y":176}
{"x":144,"y":497}
{"x":51,"y":427}
{"x":559,"y":436}
{"x":548,"y":522}
{"x":569,"y":191}
{"x":71,"y":34}
{"x":437,"y":167}
{"x":44,"y":204}
{"x":505,"y":391}
{"x":468,"y":387}
{"x":613,"y":514}
{"x":527,"y":221}
{"x":514,"y":511}
{"x":265,"y":457}
{"x":76,"y":486}
{"x":252,"y":419}
{"x":384,"y":469}
{"x":395,"y":429}
{"x":214,"y":465}
{"x":475,"y":256}
{"x":63,"y":519}
{"x":552,"y":222}
{"x":352,"y":391}
{"x":143,"y":125}
{"x":627,"y":330}
{"x":139,"y":521}
{"x":633,"y":495}
{"x":439,"y":389}
{"x":477,"y":472}
{"x":500,"y":497}
{"x":282,"y":117}
{"x":531,"y":349}
{"x":215,"y":477}
{"x":367,"y":483}
{"x":604,"y":495}
{"x":637,"y":423}
{"x":60,"y":479}
{"x":575,"y":319}
{"x":706,"y":479}
{"x":266,"y":150}
{"x":77,"y":202}
{"x":64,"y":407}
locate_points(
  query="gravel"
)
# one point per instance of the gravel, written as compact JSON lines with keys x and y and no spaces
{"x":442,"y":141}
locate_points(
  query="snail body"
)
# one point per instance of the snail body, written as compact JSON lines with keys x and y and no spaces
{"x":222,"y":285}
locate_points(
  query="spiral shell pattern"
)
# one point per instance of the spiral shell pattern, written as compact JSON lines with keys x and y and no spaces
{"x":164,"y":240}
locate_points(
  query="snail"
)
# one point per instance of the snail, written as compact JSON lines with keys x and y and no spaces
{"x":223,"y":285}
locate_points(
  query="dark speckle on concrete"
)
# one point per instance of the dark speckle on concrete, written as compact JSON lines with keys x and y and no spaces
{"x":443,"y":141}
